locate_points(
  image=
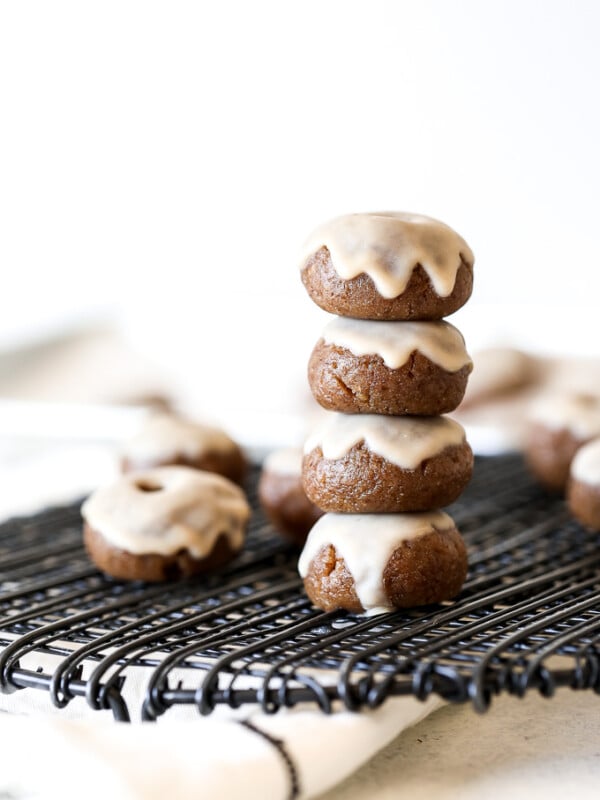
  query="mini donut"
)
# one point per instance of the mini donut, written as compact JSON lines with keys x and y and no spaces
{"x":164,"y":523}
{"x":282,"y":496}
{"x":389,"y":265}
{"x":379,"y":562}
{"x":583,"y":494}
{"x":559,"y":425}
{"x":367,"y":463}
{"x":397,"y":368}
{"x":500,"y":371}
{"x":167,"y":440}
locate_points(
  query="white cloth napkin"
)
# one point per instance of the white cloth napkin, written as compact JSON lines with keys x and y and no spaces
{"x":295,"y":753}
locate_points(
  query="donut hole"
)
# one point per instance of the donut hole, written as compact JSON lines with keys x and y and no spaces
{"x":146,"y":485}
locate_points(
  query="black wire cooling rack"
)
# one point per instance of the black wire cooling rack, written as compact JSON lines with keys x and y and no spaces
{"x":528,"y":617}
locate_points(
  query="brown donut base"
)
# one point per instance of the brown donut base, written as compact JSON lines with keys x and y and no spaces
{"x":584,"y":502}
{"x":549,"y":454}
{"x":362,"y":482}
{"x":422,"y":571}
{"x":152,"y":567}
{"x":343,"y":381}
{"x":287,"y":506}
{"x":231,"y":465}
{"x":359,"y":297}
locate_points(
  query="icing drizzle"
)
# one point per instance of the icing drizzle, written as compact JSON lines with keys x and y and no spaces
{"x":585,"y":467}
{"x":440,"y":342}
{"x":577,"y":413}
{"x":404,"y":441}
{"x":366,"y":543}
{"x":168,"y":509}
{"x":287,"y":461}
{"x":387,"y":246}
{"x":165,"y":437}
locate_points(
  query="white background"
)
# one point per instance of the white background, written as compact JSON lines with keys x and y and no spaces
{"x":161,"y":163}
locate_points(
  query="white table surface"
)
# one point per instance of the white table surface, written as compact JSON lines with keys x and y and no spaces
{"x":521,"y":748}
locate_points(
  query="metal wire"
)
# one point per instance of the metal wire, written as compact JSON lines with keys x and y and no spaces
{"x":528,"y":617}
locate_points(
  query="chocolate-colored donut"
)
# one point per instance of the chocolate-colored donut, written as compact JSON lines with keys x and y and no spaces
{"x":376,"y":563}
{"x":372,"y":464}
{"x":167,"y":440}
{"x":282,"y":495}
{"x":560,"y":425}
{"x":394,"y":368}
{"x":164,"y":523}
{"x":583,"y":493}
{"x":387,"y":266}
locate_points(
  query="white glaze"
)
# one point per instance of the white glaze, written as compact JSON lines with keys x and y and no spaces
{"x":585,"y":467}
{"x":577,"y":413}
{"x":188,"y":513}
{"x":387,"y":246}
{"x":498,"y":370}
{"x":404,"y":441}
{"x":287,"y":461}
{"x":366,"y":542}
{"x":440,"y":342}
{"x":164,"y":437}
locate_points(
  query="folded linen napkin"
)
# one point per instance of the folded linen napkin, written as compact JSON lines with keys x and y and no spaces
{"x":296,"y":753}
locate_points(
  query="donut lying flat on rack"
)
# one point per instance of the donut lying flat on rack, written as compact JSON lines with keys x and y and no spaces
{"x":168,"y":440}
{"x":559,"y":424}
{"x":164,"y":524}
{"x":583,"y":493}
{"x":282,"y":495}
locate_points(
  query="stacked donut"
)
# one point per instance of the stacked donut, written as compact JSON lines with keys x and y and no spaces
{"x":387,"y":367}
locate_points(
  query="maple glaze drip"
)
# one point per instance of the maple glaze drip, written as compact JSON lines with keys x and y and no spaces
{"x":165,"y":437}
{"x":366,"y":543}
{"x":168,"y":509}
{"x":577,"y":413}
{"x":387,"y":247}
{"x":286,"y":461}
{"x":404,"y":441}
{"x":440,"y":342}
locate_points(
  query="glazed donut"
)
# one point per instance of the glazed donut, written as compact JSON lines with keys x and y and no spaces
{"x":396,"y":368}
{"x":499,"y":372}
{"x":583,"y":493}
{"x":378,"y":562}
{"x":282,"y":496}
{"x":164,"y":523}
{"x":167,"y":440}
{"x":559,"y":425}
{"x":388,"y":265}
{"x":370,"y":463}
